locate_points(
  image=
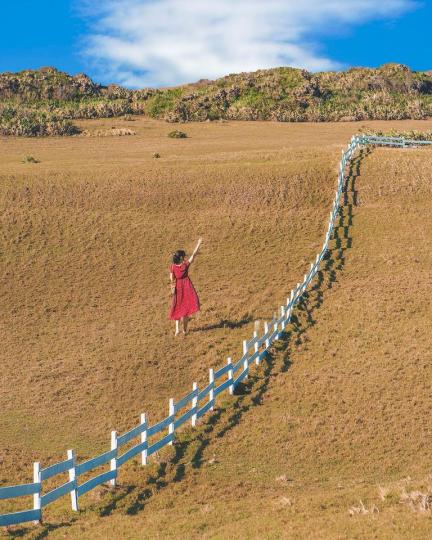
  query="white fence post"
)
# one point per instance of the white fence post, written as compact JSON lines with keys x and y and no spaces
{"x":267,"y":341}
{"x":211,"y":381}
{"x":72,"y":478}
{"x":275,"y":326}
{"x":255,"y":334}
{"x":171,"y":425}
{"x":37,"y":495}
{"x":288,"y":315}
{"x":245,"y":361}
{"x":194,"y":404}
{"x":330,"y":227}
{"x":143,"y":438}
{"x":282,"y":313}
{"x":113,"y":462}
{"x":230,"y":376}
{"x":288,"y":319}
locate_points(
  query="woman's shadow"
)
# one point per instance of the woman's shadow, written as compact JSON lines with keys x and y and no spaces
{"x":224,"y":323}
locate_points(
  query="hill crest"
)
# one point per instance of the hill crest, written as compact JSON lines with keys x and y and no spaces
{"x":284,"y":94}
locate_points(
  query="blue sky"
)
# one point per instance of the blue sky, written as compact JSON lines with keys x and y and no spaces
{"x":164,"y":42}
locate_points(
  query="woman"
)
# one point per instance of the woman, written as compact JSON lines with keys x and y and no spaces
{"x":185,"y":300}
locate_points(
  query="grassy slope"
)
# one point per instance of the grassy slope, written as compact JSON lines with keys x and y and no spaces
{"x":86,"y":244}
{"x":344,"y":408}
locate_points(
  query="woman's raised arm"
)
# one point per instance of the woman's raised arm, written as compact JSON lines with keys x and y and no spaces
{"x":195,"y":251}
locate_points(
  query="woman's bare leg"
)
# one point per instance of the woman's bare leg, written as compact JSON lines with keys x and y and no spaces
{"x":177,"y":330}
{"x":185,"y":324}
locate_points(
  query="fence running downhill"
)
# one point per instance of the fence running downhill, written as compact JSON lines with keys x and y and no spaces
{"x":189,"y":408}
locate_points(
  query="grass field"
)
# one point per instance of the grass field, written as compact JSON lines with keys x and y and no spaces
{"x":332,"y":439}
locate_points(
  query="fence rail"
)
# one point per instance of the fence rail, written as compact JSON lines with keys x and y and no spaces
{"x":198,"y":401}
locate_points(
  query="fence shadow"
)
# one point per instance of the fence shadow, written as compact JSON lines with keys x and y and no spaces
{"x":334,"y":263}
{"x":188,"y":450}
{"x":39,"y":534}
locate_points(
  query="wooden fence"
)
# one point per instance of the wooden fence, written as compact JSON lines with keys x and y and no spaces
{"x":148,"y":439}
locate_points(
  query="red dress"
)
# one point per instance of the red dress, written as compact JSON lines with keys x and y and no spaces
{"x":185,"y":299}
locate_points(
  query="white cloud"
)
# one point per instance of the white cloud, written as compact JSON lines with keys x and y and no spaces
{"x":166,"y":42}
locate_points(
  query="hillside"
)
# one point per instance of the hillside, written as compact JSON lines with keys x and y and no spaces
{"x":332,"y":440}
{"x":44,"y":102}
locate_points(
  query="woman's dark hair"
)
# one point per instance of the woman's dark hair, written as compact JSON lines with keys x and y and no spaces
{"x":178,"y":256}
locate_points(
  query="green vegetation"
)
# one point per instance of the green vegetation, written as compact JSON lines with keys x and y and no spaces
{"x":32,"y":123}
{"x":413,"y":134}
{"x":177,"y":134}
{"x":47,"y":99}
{"x":30,"y":159}
{"x":162,"y":102}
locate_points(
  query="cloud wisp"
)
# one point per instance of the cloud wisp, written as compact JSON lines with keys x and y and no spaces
{"x":141,"y":43}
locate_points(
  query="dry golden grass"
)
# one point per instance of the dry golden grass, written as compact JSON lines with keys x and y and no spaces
{"x":343,"y":408}
{"x":109,"y":132}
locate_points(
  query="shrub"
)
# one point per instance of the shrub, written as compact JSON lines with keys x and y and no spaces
{"x":162,"y":101}
{"x":29,"y":159}
{"x":177,"y":134}
{"x":30,"y":123}
{"x":110,"y":132}
{"x":413,"y":134}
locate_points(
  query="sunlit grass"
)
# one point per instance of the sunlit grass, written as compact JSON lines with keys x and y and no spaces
{"x":326,"y":428}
